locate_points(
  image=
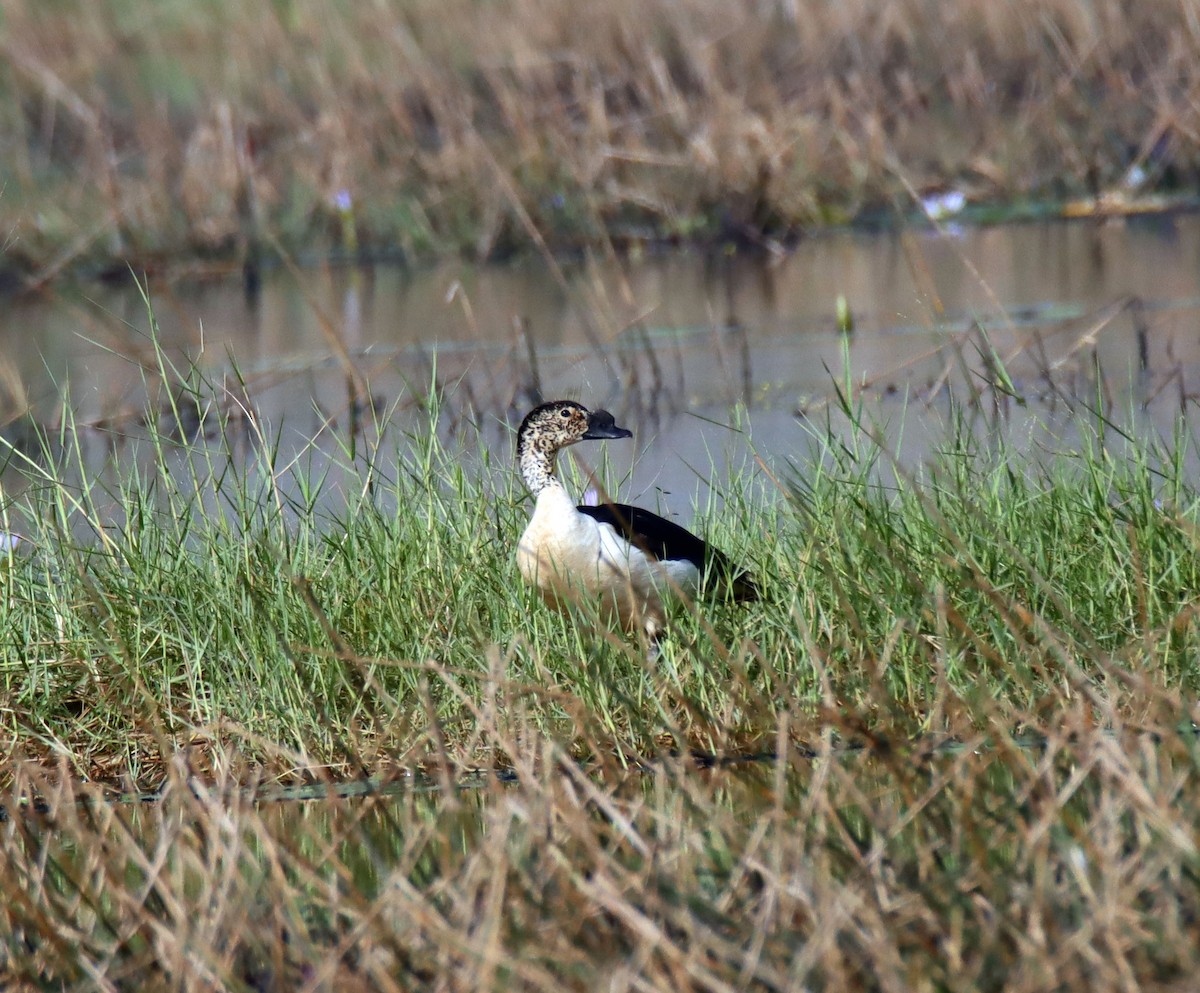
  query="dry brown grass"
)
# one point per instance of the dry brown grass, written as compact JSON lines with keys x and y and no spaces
{"x":482,"y":127}
{"x":1064,"y":858}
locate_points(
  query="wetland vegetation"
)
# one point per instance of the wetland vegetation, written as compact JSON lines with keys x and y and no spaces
{"x":279,"y":715}
{"x":953,"y":744}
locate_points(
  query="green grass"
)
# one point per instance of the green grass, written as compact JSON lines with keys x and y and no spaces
{"x":977,"y":680}
{"x":348,"y":595}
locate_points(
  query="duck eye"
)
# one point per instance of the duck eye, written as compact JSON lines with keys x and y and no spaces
{"x":565,"y":412}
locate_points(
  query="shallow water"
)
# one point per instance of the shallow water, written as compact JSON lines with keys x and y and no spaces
{"x":1075,"y":311}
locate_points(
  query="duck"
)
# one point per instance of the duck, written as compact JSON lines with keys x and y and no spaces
{"x":629,"y":561}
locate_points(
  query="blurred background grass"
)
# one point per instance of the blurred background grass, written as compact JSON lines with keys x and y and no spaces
{"x":155,"y":131}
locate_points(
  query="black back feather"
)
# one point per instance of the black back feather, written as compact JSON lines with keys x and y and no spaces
{"x":666,"y":540}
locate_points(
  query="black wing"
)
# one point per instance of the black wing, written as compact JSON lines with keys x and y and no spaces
{"x":665,"y":540}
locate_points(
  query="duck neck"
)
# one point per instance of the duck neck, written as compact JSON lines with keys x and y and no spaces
{"x":537,"y":468}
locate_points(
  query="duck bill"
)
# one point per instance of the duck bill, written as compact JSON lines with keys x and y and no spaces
{"x":602,"y":426}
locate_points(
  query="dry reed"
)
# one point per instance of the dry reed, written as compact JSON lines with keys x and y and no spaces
{"x":213,"y":128}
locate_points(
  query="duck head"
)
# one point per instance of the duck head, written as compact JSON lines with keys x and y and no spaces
{"x":553,"y":426}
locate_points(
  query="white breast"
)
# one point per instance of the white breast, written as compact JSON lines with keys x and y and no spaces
{"x":569,"y":556}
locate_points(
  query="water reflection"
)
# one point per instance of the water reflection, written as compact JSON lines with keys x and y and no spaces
{"x":1039,"y":306}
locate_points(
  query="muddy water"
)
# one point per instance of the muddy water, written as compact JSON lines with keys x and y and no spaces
{"x":1106,"y":312}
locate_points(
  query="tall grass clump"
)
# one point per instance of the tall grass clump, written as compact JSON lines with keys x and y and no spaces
{"x":217,"y":128}
{"x":208,"y":579}
{"x":1006,"y":571}
{"x":330,"y":600}
{"x":281,"y":716}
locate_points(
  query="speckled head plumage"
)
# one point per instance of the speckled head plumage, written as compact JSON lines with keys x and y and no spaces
{"x":553,"y":426}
